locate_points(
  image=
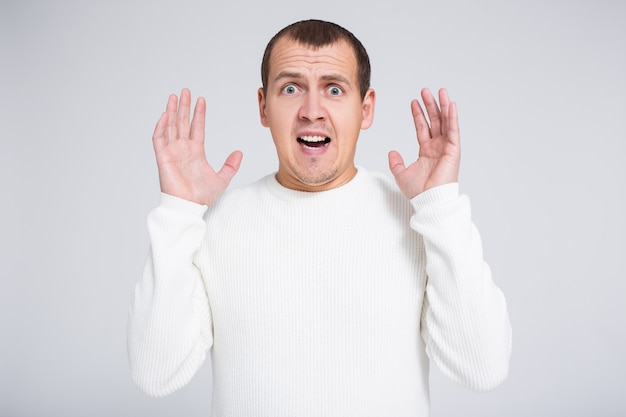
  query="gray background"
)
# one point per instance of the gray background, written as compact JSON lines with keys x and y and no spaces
{"x":540,"y":88}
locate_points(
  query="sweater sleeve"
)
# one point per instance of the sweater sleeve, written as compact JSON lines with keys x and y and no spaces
{"x":170,"y":325}
{"x":465,"y":323}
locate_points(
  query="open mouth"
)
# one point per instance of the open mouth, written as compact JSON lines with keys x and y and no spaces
{"x":314,"y":141}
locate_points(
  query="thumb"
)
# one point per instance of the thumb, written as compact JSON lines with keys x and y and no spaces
{"x":231,"y":166}
{"x":396,"y":163}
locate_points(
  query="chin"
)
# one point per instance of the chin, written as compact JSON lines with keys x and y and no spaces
{"x":308,"y":179}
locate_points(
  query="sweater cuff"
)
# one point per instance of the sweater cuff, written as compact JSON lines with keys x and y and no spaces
{"x":182,"y":206}
{"x":436,"y":195}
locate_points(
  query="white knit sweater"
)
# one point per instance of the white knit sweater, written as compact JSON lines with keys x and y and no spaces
{"x":318,"y":304}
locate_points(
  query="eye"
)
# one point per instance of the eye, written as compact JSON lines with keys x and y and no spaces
{"x":290,"y":89}
{"x":333,"y":90}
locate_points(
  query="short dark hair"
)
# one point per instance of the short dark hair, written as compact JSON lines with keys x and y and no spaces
{"x":318,"y":33}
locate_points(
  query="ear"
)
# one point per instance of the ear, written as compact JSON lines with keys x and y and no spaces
{"x":262,"y":102}
{"x":368,"y":108}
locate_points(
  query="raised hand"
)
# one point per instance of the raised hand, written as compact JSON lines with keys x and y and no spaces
{"x":439,"y":147}
{"x":179,"y":147}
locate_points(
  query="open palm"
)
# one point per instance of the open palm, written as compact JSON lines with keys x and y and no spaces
{"x":439,"y":147}
{"x":179,"y":147}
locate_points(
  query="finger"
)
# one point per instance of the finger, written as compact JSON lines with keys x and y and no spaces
{"x":184,"y":109}
{"x":444,"y":101}
{"x":454,"y":133}
{"x":159,"y":139}
{"x":434,"y":115}
{"x":231,"y":166}
{"x":198,"y":121}
{"x":421,"y":124}
{"x":396,"y":163}
{"x":172,"y":106}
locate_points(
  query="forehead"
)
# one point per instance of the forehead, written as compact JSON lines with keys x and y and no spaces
{"x":290,"y":55}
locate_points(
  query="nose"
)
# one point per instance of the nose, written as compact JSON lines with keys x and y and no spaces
{"x":312,"y":108}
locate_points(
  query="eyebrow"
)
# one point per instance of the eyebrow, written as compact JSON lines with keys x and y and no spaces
{"x":334,"y":77}
{"x":287,"y":74}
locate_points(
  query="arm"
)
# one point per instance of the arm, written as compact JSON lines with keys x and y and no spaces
{"x":170,"y":325}
{"x":465,"y":323}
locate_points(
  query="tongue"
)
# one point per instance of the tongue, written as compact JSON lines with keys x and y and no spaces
{"x":314,"y":144}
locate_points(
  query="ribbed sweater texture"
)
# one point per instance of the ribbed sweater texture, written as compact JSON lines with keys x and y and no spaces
{"x":318,"y":304}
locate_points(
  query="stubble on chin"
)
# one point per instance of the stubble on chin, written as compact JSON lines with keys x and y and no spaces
{"x":317,"y":177}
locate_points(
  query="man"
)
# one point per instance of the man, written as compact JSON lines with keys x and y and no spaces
{"x":324,"y":289}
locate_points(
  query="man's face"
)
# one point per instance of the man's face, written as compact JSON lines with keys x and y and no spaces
{"x":313,"y":107}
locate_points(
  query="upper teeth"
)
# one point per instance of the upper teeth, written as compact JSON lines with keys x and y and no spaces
{"x":313,"y":138}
